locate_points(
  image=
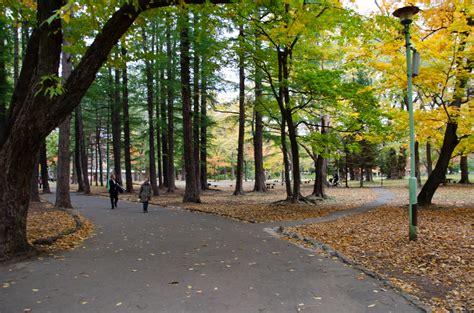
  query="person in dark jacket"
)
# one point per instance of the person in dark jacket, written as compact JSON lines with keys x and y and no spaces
{"x":145,"y":194}
{"x":114,"y":189}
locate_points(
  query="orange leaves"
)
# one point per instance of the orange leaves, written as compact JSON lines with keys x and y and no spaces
{"x":44,"y":221}
{"x":436,"y":268}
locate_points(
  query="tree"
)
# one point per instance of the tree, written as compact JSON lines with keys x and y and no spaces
{"x":126,"y":125}
{"x":170,"y":99}
{"x":240,"y":150}
{"x":151,"y":126}
{"x":260,"y":185}
{"x":44,"y":110}
{"x":191,"y":192}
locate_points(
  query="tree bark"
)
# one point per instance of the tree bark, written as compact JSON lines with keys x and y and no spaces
{"x":44,"y":168}
{"x":153,"y":65}
{"x":260,"y":185}
{"x":34,"y":192}
{"x":164,"y":126}
{"x":240,"y":149}
{"x":82,"y":150}
{"x":3,"y":82}
{"x":429,"y":161}
{"x":321,"y":165}
{"x":161,"y":116}
{"x":191,"y":193}
{"x":116,"y":127}
{"x":126,"y":127}
{"x":417,"y":164}
{"x":77,"y":154}
{"x":151,"y":128}
{"x":170,"y":98}
{"x":63,"y":199}
{"x":286,"y":161}
{"x":196,"y":118}
{"x":464,"y":170}
{"x":203,"y":133}
{"x":438,"y":175}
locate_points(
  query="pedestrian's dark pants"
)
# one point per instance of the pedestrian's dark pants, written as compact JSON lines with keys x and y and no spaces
{"x":145,"y":206}
{"x":113,"y":200}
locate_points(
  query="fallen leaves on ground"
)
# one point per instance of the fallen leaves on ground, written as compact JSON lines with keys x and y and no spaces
{"x":438,"y":267}
{"x":46,"y":221}
{"x":261,"y":207}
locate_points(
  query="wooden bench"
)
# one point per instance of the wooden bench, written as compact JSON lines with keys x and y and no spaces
{"x":270,"y":185}
{"x":448,"y":181}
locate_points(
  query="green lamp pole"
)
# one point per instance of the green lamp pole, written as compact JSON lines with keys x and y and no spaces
{"x":405,"y":15}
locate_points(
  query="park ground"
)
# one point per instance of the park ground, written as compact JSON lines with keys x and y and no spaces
{"x":436,"y":269}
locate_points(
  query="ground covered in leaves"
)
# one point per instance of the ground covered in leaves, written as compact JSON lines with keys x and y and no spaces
{"x":438,"y":268}
{"x":45,"y":221}
{"x":262,"y":207}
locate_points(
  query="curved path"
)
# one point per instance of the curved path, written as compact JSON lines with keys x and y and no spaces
{"x":179,"y":261}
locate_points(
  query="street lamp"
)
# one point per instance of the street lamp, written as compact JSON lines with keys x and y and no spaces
{"x":405,"y":15}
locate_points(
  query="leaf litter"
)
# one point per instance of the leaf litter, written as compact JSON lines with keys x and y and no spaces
{"x":438,"y":268}
{"x":44,"y":220}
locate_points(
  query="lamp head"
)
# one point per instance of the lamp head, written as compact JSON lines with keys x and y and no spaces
{"x":405,"y":14}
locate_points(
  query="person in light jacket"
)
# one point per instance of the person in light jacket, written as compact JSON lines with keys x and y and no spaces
{"x":145,"y":194}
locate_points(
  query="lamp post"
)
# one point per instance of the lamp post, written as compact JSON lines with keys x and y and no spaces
{"x":405,"y":15}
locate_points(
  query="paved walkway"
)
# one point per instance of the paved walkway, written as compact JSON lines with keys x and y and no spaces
{"x":179,"y":261}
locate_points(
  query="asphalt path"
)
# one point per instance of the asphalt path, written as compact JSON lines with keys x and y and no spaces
{"x":173,"y":260}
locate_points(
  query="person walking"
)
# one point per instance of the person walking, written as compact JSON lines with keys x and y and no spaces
{"x":114,"y":189}
{"x":145,"y":194}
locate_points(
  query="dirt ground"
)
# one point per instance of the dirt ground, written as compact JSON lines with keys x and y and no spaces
{"x":258,"y":207}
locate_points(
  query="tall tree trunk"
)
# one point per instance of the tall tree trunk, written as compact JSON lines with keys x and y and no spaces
{"x":292,"y":134}
{"x":126,"y":127}
{"x":170,"y":98}
{"x":20,"y":145}
{"x":240,"y":149}
{"x":63,"y":199}
{"x":155,"y":73}
{"x":164,"y":125}
{"x":429,"y":161}
{"x":99,"y":151}
{"x":191,"y":193}
{"x":203,"y":133}
{"x":196,"y":118}
{"x":44,"y":168}
{"x":464,"y":170}
{"x":96,"y":151}
{"x":77,"y":154}
{"x":286,"y":161}
{"x":82,"y":150}
{"x":3,"y":82}
{"x":417,"y":164}
{"x":260,"y":185}
{"x":151,"y":128}
{"x":116,"y":127}
{"x":321,"y":164}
